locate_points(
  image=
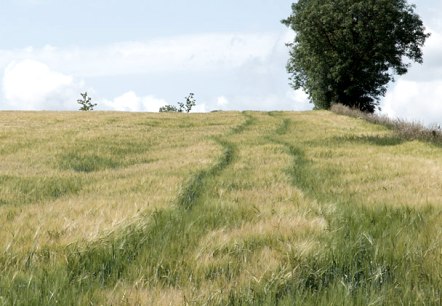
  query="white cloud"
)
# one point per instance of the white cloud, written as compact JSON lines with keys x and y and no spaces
{"x":199,"y":108}
{"x":300,"y":100}
{"x":203,"y":52}
{"x":222,"y":101}
{"x":415,"y":101}
{"x":131,"y":102}
{"x":32,"y":85}
{"x":431,"y":69}
{"x":417,"y":96}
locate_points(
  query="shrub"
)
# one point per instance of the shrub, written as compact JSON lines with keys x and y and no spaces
{"x":168,"y":109}
{"x":182,"y":107}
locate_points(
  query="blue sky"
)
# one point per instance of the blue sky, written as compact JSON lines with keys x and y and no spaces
{"x":137,"y":55}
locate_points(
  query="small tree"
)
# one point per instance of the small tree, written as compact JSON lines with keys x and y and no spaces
{"x":85,"y":102}
{"x":182,"y":107}
{"x":190,"y":102}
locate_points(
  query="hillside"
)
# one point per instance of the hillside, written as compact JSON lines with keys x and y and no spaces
{"x":234,"y":208}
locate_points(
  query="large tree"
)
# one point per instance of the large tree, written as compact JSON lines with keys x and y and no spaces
{"x":347,"y":51}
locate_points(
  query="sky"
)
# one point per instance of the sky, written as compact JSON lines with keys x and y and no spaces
{"x":138,"y":55}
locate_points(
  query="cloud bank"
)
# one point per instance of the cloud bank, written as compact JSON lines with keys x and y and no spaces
{"x":417,"y":96}
{"x":204,"y":52}
{"x":228,"y":71}
{"x":415,"y":101}
{"x":131,"y":102}
{"x":252,"y":64}
{"x":32,"y":85}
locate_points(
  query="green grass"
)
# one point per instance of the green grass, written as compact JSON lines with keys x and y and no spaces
{"x":26,"y":190}
{"x":220,"y":209}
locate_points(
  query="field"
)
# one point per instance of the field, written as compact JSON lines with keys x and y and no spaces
{"x":226,"y":208}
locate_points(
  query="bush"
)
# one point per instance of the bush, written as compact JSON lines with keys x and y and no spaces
{"x":168,"y":109}
{"x":182,"y":107}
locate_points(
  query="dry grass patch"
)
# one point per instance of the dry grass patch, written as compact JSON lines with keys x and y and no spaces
{"x":402,"y":129}
{"x":122,"y":295}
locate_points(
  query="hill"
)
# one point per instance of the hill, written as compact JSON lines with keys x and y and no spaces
{"x":251,"y":208}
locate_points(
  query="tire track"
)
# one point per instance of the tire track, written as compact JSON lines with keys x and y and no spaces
{"x":172,"y":232}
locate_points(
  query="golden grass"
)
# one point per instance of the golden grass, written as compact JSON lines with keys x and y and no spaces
{"x":372,"y":171}
{"x":110,"y":198}
{"x":127,"y":166}
{"x":284,"y":222}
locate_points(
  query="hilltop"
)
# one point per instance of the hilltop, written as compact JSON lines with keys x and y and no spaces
{"x":296,"y":208}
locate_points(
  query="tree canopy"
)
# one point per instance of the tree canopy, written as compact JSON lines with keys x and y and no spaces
{"x":347,"y":51}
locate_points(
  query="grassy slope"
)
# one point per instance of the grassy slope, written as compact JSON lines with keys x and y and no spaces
{"x":223,"y":208}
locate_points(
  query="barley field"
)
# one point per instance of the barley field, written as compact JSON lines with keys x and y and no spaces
{"x":225,"y":208}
